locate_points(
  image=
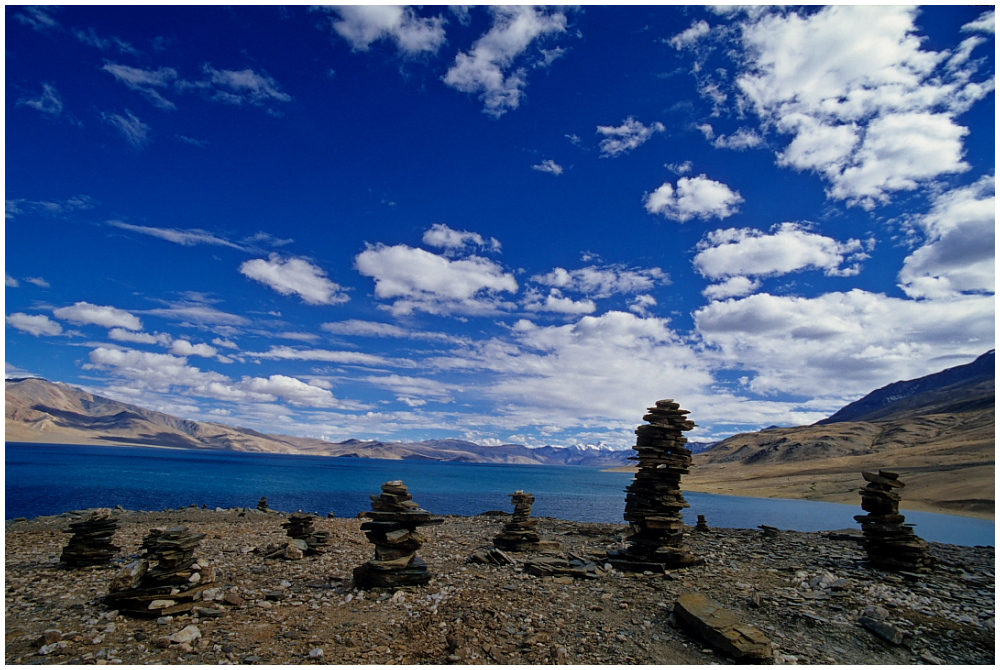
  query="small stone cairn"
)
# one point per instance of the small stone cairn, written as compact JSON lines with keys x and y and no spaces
{"x":300,"y":527}
{"x":395,"y":519}
{"x":173,"y":585}
{"x":654,"y":501}
{"x":521,"y":533}
{"x":891,"y":544}
{"x":90,"y":543}
{"x":262,"y":505}
{"x":702,"y":524}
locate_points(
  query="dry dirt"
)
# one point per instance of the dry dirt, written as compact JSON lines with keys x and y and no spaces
{"x":307,"y":611}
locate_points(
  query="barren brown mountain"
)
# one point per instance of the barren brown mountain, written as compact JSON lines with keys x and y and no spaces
{"x":938,"y":432}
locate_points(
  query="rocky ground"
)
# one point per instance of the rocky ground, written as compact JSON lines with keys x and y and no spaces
{"x":805,"y":591}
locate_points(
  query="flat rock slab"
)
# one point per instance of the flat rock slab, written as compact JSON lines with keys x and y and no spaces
{"x":720,"y":628}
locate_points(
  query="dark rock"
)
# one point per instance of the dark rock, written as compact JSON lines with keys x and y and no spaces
{"x":720,"y":628}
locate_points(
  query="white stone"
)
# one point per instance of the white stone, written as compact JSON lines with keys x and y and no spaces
{"x":316,"y":653}
{"x":160,"y":604}
{"x":187,"y":634}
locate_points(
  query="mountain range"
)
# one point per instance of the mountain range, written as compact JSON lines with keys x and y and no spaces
{"x":38,"y":410}
{"x":938,"y":431}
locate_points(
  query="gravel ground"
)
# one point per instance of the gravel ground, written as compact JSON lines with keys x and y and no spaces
{"x":806,"y":591}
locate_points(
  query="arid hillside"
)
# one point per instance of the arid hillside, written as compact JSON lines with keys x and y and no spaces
{"x":940,"y":437}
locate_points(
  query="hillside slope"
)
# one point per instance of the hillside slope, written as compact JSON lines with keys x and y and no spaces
{"x":46,"y":412}
{"x":937,"y":431}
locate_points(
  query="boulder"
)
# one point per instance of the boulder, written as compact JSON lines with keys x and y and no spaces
{"x":721,"y":628}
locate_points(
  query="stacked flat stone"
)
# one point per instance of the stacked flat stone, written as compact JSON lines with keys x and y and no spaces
{"x":172,"y":585}
{"x":521,"y":533}
{"x":90,"y":543}
{"x":262,"y":505}
{"x":654,"y":501}
{"x":891,"y":544}
{"x":395,"y":519}
{"x":300,"y":527}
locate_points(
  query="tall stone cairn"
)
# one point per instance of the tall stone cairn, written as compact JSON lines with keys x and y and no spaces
{"x":654,"y":501}
{"x":521,"y":533}
{"x":90,"y":543}
{"x":891,"y":544}
{"x":300,"y":527}
{"x":395,"y":519}
{"x":174,"y":584}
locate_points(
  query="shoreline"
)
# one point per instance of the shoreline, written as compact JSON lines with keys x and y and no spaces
{"x":271,"y":611}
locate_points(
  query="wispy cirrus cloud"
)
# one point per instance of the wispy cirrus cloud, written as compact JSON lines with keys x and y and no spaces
{"x":550,"y":166}
{"x":130,"y":126}
{"x":49,"y":102}
{"x":630,"y":135}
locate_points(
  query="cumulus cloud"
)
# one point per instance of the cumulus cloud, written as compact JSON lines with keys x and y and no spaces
{"x":603,"y":281}
{"x":132,"y":129}
{"x":877,"y":114}
{"x":742,"y":139}
{"x":139,"y":337}
{"x":49,"y":102}
{"x":441,"y":236}
{"x":418,"y":280}
{"x":789,"y":247}
{"x":641,"y":304}
{"x":693,"y":198}
{"x":295,"y":276}
{"x":958,"y":252}
{"x":292,"y":390}
{"x":488,"y":68}
{"x":843,"y":344}
{"x":555,"y":301}
{"x":152,"y":371}
{"x":84,"y":313}
{"x":186,"y":348}
{"x":35,"y":324}
{"x":690,"y":37}
{"x":361,"y":25}
{"x":549,"y":166}
{"x":733,"y":287}
{"x":626,"y":137}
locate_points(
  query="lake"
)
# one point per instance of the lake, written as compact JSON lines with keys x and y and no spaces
{"x":44,"y":479}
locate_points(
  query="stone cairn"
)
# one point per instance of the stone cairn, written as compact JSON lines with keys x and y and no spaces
{"x":90,"y":543}
{"x":262,"y":505}
{"x":393,"y":530}
{"x":173,"y":585}
{"x":521,"y":533}
{"x":310,"y":541}
{"x":654,"y":501}
{"x":891,"y":544}
{"x":702,"y":524}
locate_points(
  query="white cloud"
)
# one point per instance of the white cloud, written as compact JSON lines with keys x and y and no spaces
{"x":295,"y":276}
{"x":48,"y":102}
{"x":733,"y":287}
{"x":291,"y":389}
{"x":958,"y":254}
{"x":365,"y":328}
{"x":194,"y":311}
{"x":146,"y":82}
{"x":788,"y":248}
{"x":867,"y":107}
{"x":843,"y":344}
{"x":225,"y":344}
{"x":322,"y":355}
{"x":694,"y":197}
{"x":690,"y":37}
{"x":986,"y":23}
{"x":188,"y":237}
{"x":362,"y":25}
{"x":487,"y":69}
{"x":152,"y":371}
{"x":139,"y":337}
{"x":441,"y":236}
{"x":84,"y":313}
{"x":641,"y":304}
{"x":37,"y":281}
{"x":418,"y":280}
{"x":626,"y":137}
{"x":9,"y":281}
{"x":135,"y":131}
{"x":549,"y":166}
{"x":603,"y":281}
{"x":35,"y":324}
{"x":680,"y":168}
{"x":556,"y":302}
{"x":185,"y":348}
{"x":238,"y":87}
{"x":744,"y":138}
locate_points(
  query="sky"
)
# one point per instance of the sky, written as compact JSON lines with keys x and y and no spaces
{"x":505,"y":225}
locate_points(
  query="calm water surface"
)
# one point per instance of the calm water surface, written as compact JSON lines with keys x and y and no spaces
{"x":51,"y":479}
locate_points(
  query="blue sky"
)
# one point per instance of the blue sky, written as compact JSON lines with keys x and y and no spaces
{"x":503,"y":225}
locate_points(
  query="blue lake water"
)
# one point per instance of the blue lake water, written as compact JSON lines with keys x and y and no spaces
{"x":51,"y":479}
